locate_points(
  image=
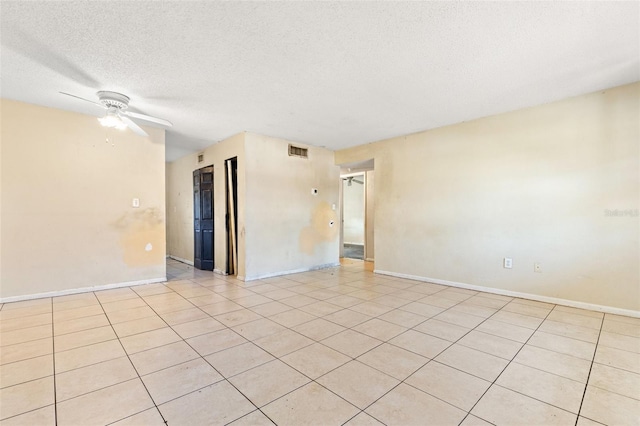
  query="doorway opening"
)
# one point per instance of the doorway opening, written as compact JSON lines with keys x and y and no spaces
{"x":231,"y":216}
{"x":353,"y":216}
{"x":357,"y":211}
{"x":203,"y":218}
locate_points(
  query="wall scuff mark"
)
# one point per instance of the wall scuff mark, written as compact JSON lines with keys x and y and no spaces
{"x":140,"y":231}
{"x":321,"y":229}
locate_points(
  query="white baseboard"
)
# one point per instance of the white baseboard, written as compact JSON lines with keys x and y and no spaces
{"x":219,"y":272}
{"x":81,"y":290}
{"x":537,"y":297}
{"x":353,"y":244}
{"x":369,"y":259}
{"x":293,"y":271}
{"x":179,"y":259}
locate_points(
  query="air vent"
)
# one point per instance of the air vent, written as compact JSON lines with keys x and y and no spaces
{"x":296,"y":151}
{"x":200,"y":158}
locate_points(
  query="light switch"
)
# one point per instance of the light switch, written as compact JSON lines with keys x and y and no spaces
{"x":135,"y":203}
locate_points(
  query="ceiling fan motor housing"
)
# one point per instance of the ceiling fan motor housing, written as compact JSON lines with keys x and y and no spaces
{"x":113,"y":99}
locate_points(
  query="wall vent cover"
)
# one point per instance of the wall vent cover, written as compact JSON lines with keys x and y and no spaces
{"x":296,"y":151}
{"x":200,"y":158}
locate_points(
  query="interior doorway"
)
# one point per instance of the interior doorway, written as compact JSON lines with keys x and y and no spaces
{"x":353,"y":215}
{"x":357,"y":207}
{"x":203,"y":218}
{"x":231,"y":217}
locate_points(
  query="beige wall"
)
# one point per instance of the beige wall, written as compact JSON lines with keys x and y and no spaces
{"x":369,"y":251}
{"x":353,"y":210}
{"x":180,"y":208}
{"x":1,"y":122}
{"x":532,"y":185}
{"x":180,"y":201}
{"x":282,"y":227}
{"x":287,"y":227}
{"x":67,"y":218}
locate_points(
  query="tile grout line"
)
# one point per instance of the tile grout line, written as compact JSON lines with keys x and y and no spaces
{"x":266,"y":351}
{"x":53,"y":354}
{"x":279,"y":358}
{"x":382,"y":342}
{"x":131,"y":362}
{"x":201,"y":357}
{"x":620,"y":334}
{"x":429,"y":359}
{"x":506,"y":366}
{"x":586,"y":385}
{"x":249,"y":413}
{"x":36,"y":379}
{"x":349,"y":328}
{"x":456,"y":341}
{"x":434,"y":360}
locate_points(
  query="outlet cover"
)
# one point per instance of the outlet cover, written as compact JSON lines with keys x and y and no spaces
{"x":507,"y":263}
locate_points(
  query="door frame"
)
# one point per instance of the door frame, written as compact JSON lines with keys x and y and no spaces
{"x":198,"y":262}
{"x":362,"y":173}
{"x":231,"y":215}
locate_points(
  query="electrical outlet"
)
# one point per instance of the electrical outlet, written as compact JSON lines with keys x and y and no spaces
{"x":507,"y":263}
{"x":135,"y":203}
{"x":537,"y":267}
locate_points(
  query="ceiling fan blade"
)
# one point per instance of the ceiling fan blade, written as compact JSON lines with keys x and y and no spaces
{"x":133,"y":126}
{"x":148,"y":118}
{"x":83,"y":99}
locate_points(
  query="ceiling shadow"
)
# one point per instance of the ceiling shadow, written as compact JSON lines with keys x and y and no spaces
{"x":22,"y":43}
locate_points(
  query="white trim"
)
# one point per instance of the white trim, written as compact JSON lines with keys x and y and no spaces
{"x":293,"y":271}
{"x":537,"y":297}
{"x":179,"y":259}
{"x":369,"y":259}
{"x":353,"y":174}
{"x":81,"y":290}
{"x":354,"y":244}
{"x":219,"y":272}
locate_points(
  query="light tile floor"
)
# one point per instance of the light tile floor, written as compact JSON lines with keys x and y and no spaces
{"x":336,"y":346}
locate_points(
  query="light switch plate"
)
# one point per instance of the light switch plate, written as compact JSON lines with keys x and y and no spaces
{"x":135,"y":203}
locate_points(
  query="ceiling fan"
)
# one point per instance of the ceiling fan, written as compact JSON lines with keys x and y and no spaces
{"x":351,"y":179}
{"x":117,"y":116}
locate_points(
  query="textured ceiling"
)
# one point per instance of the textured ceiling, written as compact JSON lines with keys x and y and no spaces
{"x":327,"y":74}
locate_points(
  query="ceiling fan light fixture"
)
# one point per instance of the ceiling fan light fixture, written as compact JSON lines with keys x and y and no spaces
{"x":117,"y":117}
{"x":112,"y":120}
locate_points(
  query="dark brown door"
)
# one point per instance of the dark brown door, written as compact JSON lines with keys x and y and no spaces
{"x":203,"y":218}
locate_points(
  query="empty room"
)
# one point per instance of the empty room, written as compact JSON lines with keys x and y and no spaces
{"x":319,"y":213}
